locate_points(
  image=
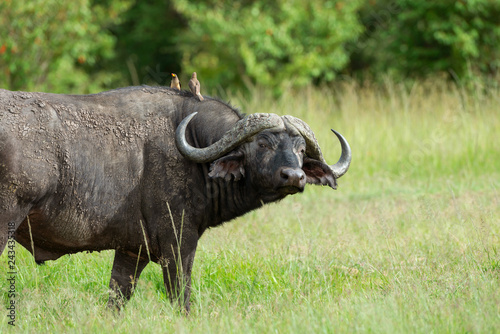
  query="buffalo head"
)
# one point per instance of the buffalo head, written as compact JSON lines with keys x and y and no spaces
{"x":276,"y":155}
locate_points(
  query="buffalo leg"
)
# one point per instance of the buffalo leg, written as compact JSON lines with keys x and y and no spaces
{"x":177,"y":277}
{"x":124,"y":276}
{"x":9,"y":222}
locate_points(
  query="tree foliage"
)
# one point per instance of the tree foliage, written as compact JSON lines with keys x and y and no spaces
{"x":89,"y":45}
{"x":56,"y":45}
{"x":147,"y":42}
{"x":413,"y":38}
{"x":274,"y":44}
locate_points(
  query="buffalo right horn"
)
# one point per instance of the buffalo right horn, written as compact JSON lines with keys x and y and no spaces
{"x":241,"y":131}
{"x":313,"y":150}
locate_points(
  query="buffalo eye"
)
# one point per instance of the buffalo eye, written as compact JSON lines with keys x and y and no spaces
{"x":263,"y":145}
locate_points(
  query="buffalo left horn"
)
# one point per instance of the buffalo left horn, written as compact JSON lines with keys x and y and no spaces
{"x":313,"y":150}
{"x":241,"y":131}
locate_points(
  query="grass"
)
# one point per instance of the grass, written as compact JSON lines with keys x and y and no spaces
{"x":408,"y":243}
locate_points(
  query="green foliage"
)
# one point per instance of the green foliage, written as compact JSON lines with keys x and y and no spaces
{"x":414,"y":38}
{"x":91,"y":45}
{"x":147,"y":40}
{"x":57,"y":46}
{"x":278,"y":44}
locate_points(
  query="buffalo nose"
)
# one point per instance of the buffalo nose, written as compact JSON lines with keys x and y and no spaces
{"x":294,"y":177}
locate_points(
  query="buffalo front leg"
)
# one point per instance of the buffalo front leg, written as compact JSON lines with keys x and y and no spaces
{"x":9,"y":222}
{"x":127,"y":268}
{"x":177,"y":276}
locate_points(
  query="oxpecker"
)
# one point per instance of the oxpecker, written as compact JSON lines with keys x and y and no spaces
{"x":175,"y":83}
{"x":194,"y":85}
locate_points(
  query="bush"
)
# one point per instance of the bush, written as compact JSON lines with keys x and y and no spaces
{"x":147,"y":40}
{"x":56,"y":46}
{"x":417,"y":38}
{"x":274,"y":44}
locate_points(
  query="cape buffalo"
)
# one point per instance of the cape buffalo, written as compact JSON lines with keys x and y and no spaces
{"x":144,"y":171}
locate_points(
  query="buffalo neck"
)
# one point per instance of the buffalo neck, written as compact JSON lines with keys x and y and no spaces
{"x":225,"y":200}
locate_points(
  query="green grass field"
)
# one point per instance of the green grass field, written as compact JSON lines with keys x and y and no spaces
{"x":409,"y":242}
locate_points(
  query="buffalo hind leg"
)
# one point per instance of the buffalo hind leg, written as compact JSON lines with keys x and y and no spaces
{"x":177,"y":279}
{"x":124,"y":276}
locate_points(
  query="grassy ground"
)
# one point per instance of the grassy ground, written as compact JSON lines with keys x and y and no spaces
{"x":408,"y":243}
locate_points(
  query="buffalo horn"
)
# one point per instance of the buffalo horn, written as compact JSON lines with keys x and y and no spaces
{"x":313,"y":150}
{"x":242,"y":130}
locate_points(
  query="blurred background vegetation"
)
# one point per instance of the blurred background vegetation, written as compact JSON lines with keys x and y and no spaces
{"x":86,"y":46}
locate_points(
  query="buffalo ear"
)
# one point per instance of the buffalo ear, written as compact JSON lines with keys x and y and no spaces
{"x":318,"y":172}
{"x":227,"y":166}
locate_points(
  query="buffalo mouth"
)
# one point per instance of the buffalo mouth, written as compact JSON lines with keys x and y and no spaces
{"x":279,"y":193}
{"x":290,"y":190}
